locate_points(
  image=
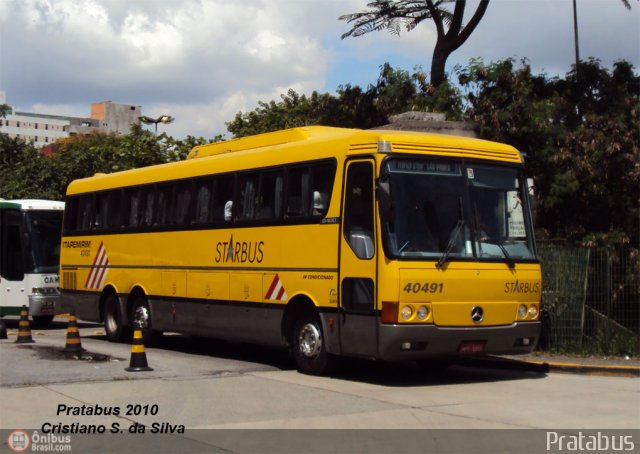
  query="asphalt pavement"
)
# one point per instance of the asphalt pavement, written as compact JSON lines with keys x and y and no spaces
{"x":537,"y":361}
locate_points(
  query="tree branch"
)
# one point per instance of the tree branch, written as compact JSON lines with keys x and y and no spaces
{"x":437,"y":18}
{"x":471,"y":26}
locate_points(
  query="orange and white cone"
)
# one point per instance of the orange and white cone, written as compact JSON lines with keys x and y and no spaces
{"x":24,"y":328}
{"x":138,"y":362}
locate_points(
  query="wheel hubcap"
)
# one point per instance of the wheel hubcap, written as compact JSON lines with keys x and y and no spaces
{"x":310,"y":340}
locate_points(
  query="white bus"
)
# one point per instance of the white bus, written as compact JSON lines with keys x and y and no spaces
{"x":30,"y":232}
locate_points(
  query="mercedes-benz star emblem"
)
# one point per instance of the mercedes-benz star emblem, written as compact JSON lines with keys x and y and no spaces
{"x":477,"y":314}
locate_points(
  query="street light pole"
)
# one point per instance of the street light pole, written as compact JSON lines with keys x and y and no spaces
{"x":166,"y":119}
{"x":575,"y":33}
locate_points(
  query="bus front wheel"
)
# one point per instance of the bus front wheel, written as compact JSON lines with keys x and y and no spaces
{"x":113,"y":321}
{"x":309,"y":349}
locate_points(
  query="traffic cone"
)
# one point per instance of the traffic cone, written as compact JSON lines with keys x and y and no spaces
{"x":73,"y":343}
{"x":24,"y":329}
{"x":138,"y":361}
{"x":3,"y":330}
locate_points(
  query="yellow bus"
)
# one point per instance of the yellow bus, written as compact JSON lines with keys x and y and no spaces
{"x":333,"y":242}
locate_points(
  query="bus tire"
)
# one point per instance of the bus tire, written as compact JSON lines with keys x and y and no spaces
{"x":141,"y":316}
{"x":41,"y":321}
{"x":113,"y":320}
{"x":308,"y":346}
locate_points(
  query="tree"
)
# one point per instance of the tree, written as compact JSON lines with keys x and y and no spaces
{"x":581,"y":139}
{"x":395,"y":91}
{"x":27,"y":173}
{"x":5,"y":109}
{"x":24,"y":172}
{"x":393,"y":15}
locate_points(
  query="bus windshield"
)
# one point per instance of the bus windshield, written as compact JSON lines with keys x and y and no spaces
{"x":449,"y":210}
{"x":44,"y":229}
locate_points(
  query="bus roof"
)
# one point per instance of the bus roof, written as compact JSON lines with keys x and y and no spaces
{"x":32,"y":204}
{"x":300,"y":144}
{"x":399,"y":140}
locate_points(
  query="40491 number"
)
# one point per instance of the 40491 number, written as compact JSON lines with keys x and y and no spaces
{"x":423,"y":287}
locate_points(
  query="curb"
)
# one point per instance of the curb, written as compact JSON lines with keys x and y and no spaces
{"x":545,"y":367}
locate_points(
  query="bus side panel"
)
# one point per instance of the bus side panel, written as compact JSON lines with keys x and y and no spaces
{"x":85,"y":305}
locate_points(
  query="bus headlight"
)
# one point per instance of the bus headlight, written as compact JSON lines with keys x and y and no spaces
{"x":522,"y":311}
{"x":406,"y":312}
{"x":44,"y":290}
{"x":533,"y":311}
{"x":423,"y":312}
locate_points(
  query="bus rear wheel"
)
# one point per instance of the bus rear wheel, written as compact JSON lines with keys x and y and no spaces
{"x":309,"y":349}
{"x":114,"y":326}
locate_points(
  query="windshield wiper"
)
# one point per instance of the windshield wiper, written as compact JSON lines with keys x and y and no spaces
{"x":453,"y":237}
{"x":452,"y":242}
{"x":510,"y":261}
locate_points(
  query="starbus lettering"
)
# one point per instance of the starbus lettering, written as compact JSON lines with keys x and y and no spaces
{"x":239,"y":251}
{"x":522,"y":287}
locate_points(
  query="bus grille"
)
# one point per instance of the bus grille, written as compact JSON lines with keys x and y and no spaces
{"x":69,"y":280}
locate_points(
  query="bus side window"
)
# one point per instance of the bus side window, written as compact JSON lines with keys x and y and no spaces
{"x":101,"y":209}
{"x":270,"y":198}
{"x":12,"y":254}
{"x":147,"y":207}
{"x":182,"y":208}
{"x":114,"y":215}
{"x":132,"y":212}
{"x":322,"y":184}
{"x":163,"y":214}
{"x":71,"y":214}
{"x":309,"y":189}
{"x":248,"y":197}
{"x":203,"y":201}
{"x":223,"y":197}
{"x":297,"y":190}
{"x":85,"y":213}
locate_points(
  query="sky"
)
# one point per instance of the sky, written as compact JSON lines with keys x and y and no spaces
{"x":202,"y":61}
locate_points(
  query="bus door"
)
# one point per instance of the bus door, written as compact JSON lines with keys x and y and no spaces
{"x":11,"y":260}
{"x":357,"y":319}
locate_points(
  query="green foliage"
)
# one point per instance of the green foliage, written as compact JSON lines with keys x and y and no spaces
{"x":580,"y":135}
{"x":5,"y":110}
{"x":394,"y":92}
{"x":25,"y":172}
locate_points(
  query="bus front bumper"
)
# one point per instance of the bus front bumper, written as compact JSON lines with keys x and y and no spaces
{"x":414,"y":342}
{"x":42,"y":305}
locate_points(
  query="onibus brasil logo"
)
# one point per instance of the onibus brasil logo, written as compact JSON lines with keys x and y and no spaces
{"x":19,"y":441}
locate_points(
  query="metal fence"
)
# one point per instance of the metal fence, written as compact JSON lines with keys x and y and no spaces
{"x":590,"y":300}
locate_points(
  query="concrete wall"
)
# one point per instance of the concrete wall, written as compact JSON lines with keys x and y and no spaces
{"x":429,"y":122}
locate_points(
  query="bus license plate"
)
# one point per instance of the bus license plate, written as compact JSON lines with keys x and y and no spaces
{"x":472,"y":346}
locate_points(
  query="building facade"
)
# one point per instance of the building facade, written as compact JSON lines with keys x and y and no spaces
{"x":43,"y":130}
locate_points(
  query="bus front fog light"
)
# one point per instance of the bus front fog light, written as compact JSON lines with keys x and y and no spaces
{"x":533,"y":311}
{"x":423,"y":312}
{"x":406,"y":312}
{"x":522,"y":311}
